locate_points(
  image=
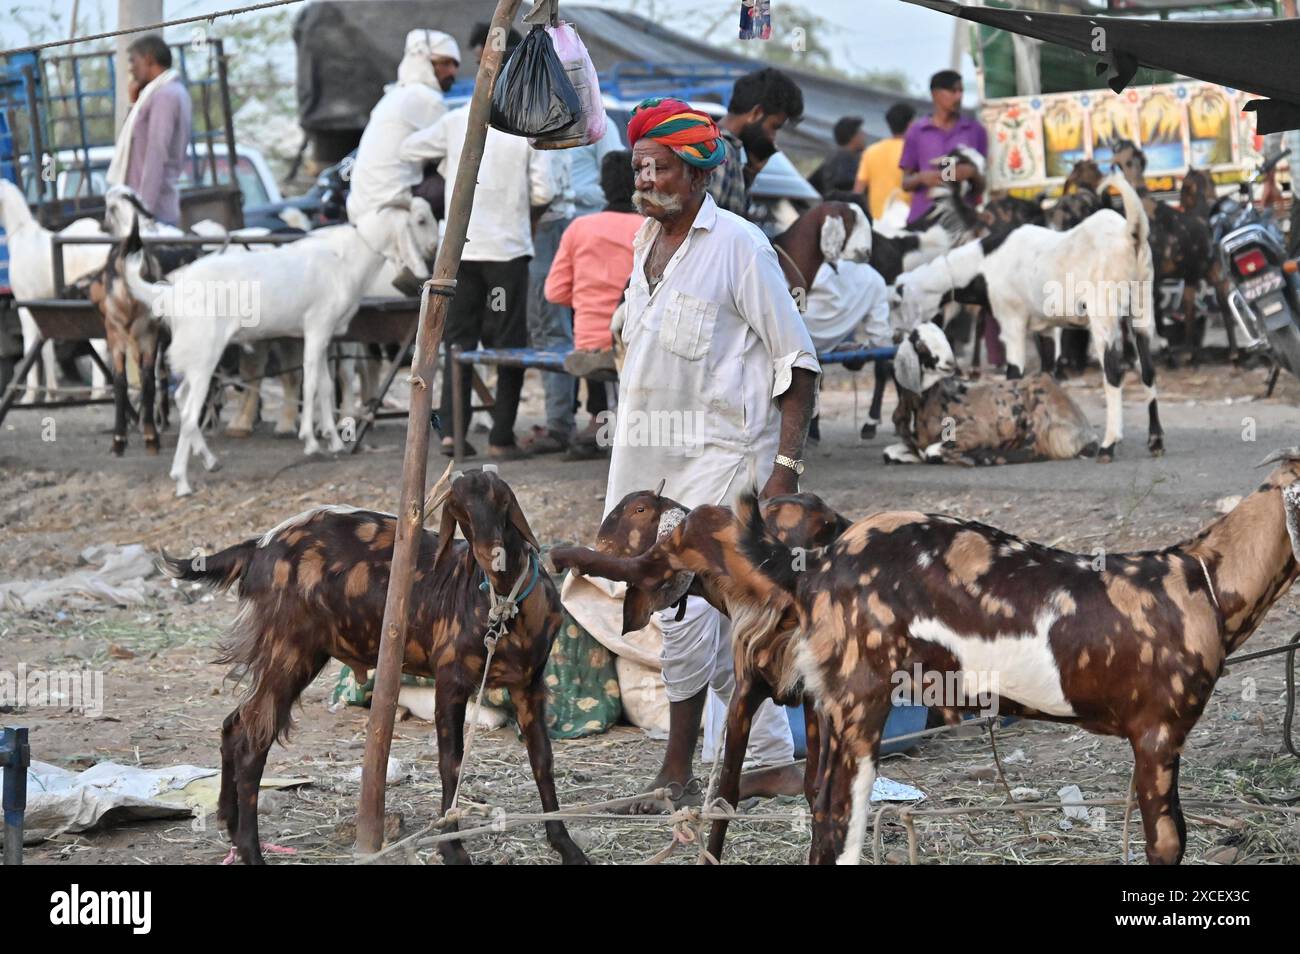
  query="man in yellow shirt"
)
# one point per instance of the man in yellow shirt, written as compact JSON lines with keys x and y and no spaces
{"x":879,"y":175}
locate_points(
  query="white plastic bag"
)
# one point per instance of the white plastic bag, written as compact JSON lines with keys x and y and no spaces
{"x":590,"y":126}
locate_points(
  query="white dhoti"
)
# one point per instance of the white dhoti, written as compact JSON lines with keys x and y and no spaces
{"x":697,"y":652}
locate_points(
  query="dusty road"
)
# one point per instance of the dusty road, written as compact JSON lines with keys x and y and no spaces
{"x":164,"y":698}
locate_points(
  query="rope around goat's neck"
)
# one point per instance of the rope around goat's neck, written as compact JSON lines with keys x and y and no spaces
{"x":501,"y":610}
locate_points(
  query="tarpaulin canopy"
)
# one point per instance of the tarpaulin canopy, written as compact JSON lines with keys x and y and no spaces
{"x":1258,"y":56}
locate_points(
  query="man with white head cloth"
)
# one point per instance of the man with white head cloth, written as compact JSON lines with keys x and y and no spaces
{"x":378,"y":175}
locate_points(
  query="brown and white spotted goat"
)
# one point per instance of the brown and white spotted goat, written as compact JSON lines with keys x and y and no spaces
{"x":314,"y":588}
{"x":1132,"y":650}
{"x":665,"y":552}
{"x":130,"y":328}
{"x":942,"y":418}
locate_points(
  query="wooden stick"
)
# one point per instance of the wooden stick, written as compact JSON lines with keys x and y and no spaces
{"x":433,"y":314}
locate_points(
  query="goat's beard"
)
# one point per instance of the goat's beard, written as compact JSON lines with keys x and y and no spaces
{"x":665,"y":202}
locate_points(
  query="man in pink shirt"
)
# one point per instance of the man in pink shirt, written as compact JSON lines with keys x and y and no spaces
{"x":589,"y":273}
{"x":151,"y":145}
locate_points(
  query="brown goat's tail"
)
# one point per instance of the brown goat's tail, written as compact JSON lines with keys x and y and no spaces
{"x":217,"y":570}
{"x":770,"y":556}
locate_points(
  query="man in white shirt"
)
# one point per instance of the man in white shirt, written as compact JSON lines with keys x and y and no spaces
{"x":491,"y":302}
{"x":716,"y":392}
{"x":378,"y":174}
{"x":848,"y":303}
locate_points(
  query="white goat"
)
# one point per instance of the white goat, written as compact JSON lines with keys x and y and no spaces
{"x":358,"y":373}
{"x":308,"y":290}
{"x":1036,"y":279}
{"x":31,"y":269}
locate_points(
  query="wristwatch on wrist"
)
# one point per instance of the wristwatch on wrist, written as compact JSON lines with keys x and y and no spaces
{"x":795,"y":465}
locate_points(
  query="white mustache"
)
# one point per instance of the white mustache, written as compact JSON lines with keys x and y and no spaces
{"x":671,"y":204}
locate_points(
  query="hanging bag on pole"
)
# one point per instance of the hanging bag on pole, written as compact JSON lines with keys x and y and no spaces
{"x":533,"y":96}
{"x":589,"y":126}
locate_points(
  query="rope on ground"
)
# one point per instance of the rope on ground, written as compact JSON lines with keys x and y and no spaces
{"x":686,"y":823}
{"x":1128,"y":809}
{"x":149,"y":28}
{"x":997,"y":761}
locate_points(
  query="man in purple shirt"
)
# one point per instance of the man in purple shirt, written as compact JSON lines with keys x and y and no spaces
{"x":936,"y":135}
{"x":151,"y":145}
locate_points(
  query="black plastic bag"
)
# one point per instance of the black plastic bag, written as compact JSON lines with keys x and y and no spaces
{"x":533,"y":95}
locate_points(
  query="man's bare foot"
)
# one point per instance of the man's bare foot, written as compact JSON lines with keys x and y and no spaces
{"x":770,"y":782}
{"x":683,"y":791}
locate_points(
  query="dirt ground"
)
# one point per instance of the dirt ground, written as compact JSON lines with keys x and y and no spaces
{"x":165,"y":698}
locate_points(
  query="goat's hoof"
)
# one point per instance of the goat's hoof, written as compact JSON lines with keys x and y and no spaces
{"x":289,"y":431}
{"x":1106,"y":454}
{"x":119,"y":446}
{"x":239,"y":433}
{"x":152,"y":446}
{"x":1156,"y":445}
{"x":186,"y":491}
{"x":212,"y":466}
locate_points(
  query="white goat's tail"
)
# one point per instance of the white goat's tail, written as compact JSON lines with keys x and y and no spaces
{"x":1135,"y":217}
{"x":146,"y":292}
{"x":14,"y":211}
{"x":1138,"y":227}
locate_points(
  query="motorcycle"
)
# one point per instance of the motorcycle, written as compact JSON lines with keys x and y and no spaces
{"x":1261,"y":286}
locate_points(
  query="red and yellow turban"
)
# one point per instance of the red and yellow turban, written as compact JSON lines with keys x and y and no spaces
{"x":689,"y":133}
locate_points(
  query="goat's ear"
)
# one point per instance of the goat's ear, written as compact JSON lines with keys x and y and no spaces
{"x":446,"y":534}
{"x":834,"y":235}
{"x":907,"y":367}
{"x":637,"y":607}
{"x":521,"y":523}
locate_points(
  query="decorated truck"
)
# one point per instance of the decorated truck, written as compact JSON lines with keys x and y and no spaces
{"x":1046,"y":106}
{"x":1034,"y":141}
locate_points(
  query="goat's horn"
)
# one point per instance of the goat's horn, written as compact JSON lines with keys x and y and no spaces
{"x":1288,"y":453}
{"x":659,"y":491}
{"x":438,"y":493}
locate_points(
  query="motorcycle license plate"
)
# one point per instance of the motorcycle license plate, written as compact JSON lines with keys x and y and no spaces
{"x":1262,"y":284}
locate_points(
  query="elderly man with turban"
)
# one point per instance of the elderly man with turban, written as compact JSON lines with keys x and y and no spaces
{"x":379,"y":175}
{"x":715,"y":395}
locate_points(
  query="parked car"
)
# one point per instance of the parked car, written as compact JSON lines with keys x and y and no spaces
{"x":82,"y":176}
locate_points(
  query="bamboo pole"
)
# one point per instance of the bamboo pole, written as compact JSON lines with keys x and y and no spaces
{"x":433,"y":313}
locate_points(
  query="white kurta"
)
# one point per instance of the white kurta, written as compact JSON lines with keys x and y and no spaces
{"x":848,"y":302}
{"x":379,"y":174}
{"x":512,"y":178}
{"x":707,"y":353}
